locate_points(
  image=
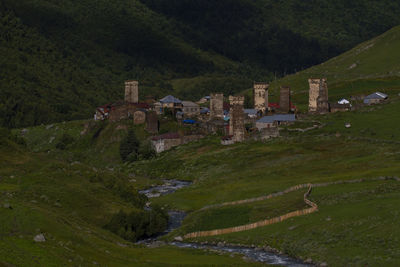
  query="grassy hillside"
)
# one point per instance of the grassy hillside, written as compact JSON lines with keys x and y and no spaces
{"x":60,"y":59}
{"x":69,"y":202}
{"x":369,"y":67}
{"x":352,"y":220}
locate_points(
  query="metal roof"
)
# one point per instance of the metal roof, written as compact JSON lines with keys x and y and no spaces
{"x":250,"y":111}
{"x":170,"y":99}
{"x":189,"y":104}
{"x":277,"y":117}
{"x":377,"y":95}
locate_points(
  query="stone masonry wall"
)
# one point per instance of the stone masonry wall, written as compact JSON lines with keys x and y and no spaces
{"x":318,"y":96}
{"x":132,"y":91}
{"x":260,"y":92}
{"x":284,"y":99}
{"x":236,"y":123}
{"x":217,"y":106}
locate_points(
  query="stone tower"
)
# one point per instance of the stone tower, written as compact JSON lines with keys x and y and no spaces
{"x":284,"y":99}
{"x":236,"y":122}
{"x":132,"y":91}
{"x":261,"y":96}
{"x":318,"y":96}
{"x":217,"y":106}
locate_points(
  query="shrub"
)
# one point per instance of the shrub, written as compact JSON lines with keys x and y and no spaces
{"x":146,"y":150}
{"x":65,"y":140}
{"x":138,"y":224}
{"x":129,"y":146}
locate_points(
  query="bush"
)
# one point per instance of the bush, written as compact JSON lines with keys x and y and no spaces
{"x":146,"y":150}
{"x":65,"y":140}
{"x":138,"y":224}
{"x":129,"y":147}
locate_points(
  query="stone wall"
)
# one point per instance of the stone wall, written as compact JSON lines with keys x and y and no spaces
{"x":236,"y":123}
{"x":284,"y":99}
{"x":132,"y":91}
{"x":217,"y":106}
{"x":260,"y":93}
{"x":318,"y":96}
{"x":139,"y":117}
{"x":121,"y":112}
{"x":165,"y":144}
{"x":152,"y":124}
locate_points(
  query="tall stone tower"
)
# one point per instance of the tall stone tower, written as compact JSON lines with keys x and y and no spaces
{"x":261,"y":96}
{"x":284,"y":99}
{"x":236,"y":122}
{"x":318,"y":96}
{"x":217,"y":106}
{"x":132,"y":91}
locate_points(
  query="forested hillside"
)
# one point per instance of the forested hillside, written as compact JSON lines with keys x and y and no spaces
{"x":59,"y":59}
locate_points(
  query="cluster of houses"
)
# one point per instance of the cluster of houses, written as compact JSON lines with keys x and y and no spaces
{"x":211,"y":114}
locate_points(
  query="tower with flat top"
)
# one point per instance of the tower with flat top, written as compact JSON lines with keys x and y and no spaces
{"x":132,"y":92}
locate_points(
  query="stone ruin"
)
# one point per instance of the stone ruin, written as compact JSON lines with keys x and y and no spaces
{"x":217,"y":106}
{"x":318,"y":96}
{"x":284,"y":99}
{"x":236,"y":123}
{"x":260,"y":92}
{"x":132,"y":92}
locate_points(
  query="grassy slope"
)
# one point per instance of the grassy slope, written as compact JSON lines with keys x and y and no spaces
{"x":376,"y":69}
{"x":69,"y":204}
{"x":356,"y":223}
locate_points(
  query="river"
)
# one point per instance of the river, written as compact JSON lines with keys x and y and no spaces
{"x":175,"y":221}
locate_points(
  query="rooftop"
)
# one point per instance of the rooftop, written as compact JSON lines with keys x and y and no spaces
{"x":189,"y":104}
{"x":278,"y":117}
{"x":170,"y":99}
{"x":377,"y":95}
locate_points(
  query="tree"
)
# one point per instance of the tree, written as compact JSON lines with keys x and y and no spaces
{"x":129,"y":146}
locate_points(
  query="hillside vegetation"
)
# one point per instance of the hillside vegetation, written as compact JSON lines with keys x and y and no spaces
{"x":369,"y":67}
{"x":60,"y":59}
{"x":69,"y":203}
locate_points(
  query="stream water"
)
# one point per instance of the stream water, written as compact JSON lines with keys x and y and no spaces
{"x":176,"y":219}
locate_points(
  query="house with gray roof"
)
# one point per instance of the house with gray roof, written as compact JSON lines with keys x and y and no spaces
{"x":169,"y":102}
{"x":275,"y":120}
{"x":375,"y":98}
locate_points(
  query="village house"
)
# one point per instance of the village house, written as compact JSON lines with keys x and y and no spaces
{"x":169,"y":102}
{"x":119,"y":110}
{"x":190,"y":109}
{"x":166,"y":141}
{"x":275,"y":107}
{"x":375,"y":98}
{"x":169,"y":140}
{"x":275,"y":120}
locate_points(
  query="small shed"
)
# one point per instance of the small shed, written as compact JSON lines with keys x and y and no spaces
{"x":375,"y":98}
